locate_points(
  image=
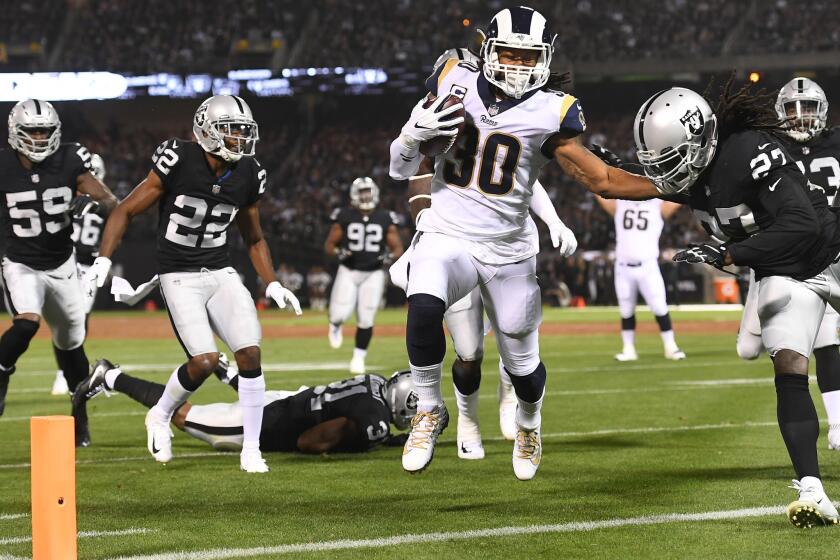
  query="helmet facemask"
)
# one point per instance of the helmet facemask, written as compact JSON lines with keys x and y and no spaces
{"x":804,"y":118}
{"x":364,"y":194}
{"x":234,"y":138}
{"x":675,"y":168}
{"x":36,"y":149}
{"x":515,"y":80}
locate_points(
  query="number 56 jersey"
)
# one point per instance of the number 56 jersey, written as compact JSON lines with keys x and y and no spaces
{"x":482,"y":186}
{"x":197,"y":207}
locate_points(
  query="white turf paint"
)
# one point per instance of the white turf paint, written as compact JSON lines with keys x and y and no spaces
{"x":547,"y":435}
{"x":725,"y":382}
{"x":86,"y":535}
{"x":495,"y":532}
{"x":9,"y":516}
{"x":279,"y":367}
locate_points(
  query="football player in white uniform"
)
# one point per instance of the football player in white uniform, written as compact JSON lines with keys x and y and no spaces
{"x":477,"y":231}
{"x":638,"y":225}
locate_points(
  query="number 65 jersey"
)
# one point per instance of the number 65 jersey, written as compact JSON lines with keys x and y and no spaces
{"x":482,"y":186}
{"x":197,"y":207}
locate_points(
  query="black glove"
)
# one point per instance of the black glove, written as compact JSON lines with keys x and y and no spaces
{"x":81,"y":205}
{"x":703,"y":253}
{"x":605,"y":155}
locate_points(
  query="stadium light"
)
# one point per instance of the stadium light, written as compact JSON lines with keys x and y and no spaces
{"x":755,"y":77}
{"x":61,"y":86}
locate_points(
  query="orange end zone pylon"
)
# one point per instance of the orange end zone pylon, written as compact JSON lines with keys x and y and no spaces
{"x":53,"y":454}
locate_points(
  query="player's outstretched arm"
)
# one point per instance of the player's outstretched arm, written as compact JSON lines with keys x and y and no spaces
{"x":326,"y":436}
{"x":87,"y":184}
{"x":587,"y":169}
{"x":248,"y":221}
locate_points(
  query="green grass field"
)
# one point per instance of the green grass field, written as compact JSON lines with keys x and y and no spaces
{"x":628,"y":449}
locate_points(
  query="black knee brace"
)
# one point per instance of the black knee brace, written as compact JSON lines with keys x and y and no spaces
{"x":664,"y":322}
{"x":530,"y":387}
{"x":466,"y":376}
{"x":828,"y":368}
{"x":628,"y":324}
{"x":15,"y":341}
{"x":425,"y":340}
{"x":363,"y":337}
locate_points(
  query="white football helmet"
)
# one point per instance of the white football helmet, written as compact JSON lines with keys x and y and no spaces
{"x":804,"y":108}
{"x":224,"y":126}
{"x":676,"y":137}
{"x":517,"y":28}
{"x":97,"y":166}
{"x":27,"y":116}
{"x":364,"y":194}
{"x":401,"y":398}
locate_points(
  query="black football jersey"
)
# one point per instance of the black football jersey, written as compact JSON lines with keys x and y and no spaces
{"x":197,"y":207}
{"x":364,"y":236}
{"x":87,"y":235}
{"x":359,"y":399}
{"x":754,"y":198}
{"x":34,"y":205}
{"x":819,"y":160}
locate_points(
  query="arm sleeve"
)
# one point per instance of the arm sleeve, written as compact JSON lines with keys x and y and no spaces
{"x":405,"y":161}
{"x":542,"y":206}
{"x":794,"y":228}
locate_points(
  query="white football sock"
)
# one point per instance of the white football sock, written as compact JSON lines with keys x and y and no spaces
{"x":358,"y":353}
{"x":174,"y":395}
{"x":528,"y":414}
{"x":468,"y":409}
{"x":831,"y":400}
{"x":628,"y":338}
{"x":251,"y":399}
{"x":111,"y":376}
{"x":668,"y":340}
{"x":427,"y":386}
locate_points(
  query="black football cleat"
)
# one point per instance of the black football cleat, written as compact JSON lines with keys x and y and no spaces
{"x":221,"y":370}
{"x":81,"y":428}
{"x":93,"y":384}
{"x":4,"y":387}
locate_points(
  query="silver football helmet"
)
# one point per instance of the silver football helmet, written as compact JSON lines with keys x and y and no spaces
{"x":676,"y":137}
{"x":32,"y":115}
{"x":224,"y":126}
{"x":97,"y":166}
{"x":804,"y":108}
{"x":517,"y":28}
{"x":364,"y":194}
{"x":401,"y":398}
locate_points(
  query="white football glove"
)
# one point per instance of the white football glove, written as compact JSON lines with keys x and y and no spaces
{"x":425,"y":124}
{"x":562,"y":237}
{"x":282,"y":296}
{"x":97,"y":273}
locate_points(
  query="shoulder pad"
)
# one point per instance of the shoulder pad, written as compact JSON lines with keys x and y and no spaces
{"x":572,"y":121}
{"x":439,"y":73}
{"x":81,"y":152}
{"x":334,"y":215}
{"x":168,"y":155}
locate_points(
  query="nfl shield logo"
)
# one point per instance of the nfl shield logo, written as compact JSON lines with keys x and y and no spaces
{"x":806,"y":150}
{"x":493,"y":110}
{"x":36,"y":178}
{"x":216,"y":189}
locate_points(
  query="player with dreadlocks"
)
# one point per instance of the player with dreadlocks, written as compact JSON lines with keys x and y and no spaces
{"x":730,"y":166}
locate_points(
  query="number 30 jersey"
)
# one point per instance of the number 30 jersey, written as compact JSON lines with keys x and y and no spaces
{"x":364,"y":236}
{"x":638,"y":225}
{"x":34,"y":205}
{"x":197,"y":207}
{"x":482,"y":186}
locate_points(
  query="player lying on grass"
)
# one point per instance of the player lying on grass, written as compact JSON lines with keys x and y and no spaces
{"x":350,"y":415}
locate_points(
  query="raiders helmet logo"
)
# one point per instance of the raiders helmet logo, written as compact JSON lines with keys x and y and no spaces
{"x":411,"y":400}
{"x":693,"y":122}
{"x":201,"y":115}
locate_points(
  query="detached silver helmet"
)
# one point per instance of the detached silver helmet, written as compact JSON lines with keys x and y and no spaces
{"x":676,"y":137}
{"x":97,"y":166}
{"x":29,"y":116}
{"x":401,"y":398}
{"x":364,"y":194}
{"x":804,"y":108}
{"x":517,"y":28}
{"x":224,"y":126}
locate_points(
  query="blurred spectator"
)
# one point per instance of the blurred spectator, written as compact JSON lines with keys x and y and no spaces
{"x":318,"y":281}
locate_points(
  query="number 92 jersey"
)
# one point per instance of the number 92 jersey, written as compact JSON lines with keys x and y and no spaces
{"x":197,"y":207}
{"x":364,"y":236}
{"x":35,"y":202}
{"x":482,"y":186}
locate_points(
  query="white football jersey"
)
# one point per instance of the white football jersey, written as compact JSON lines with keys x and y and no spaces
{"x":638,"y":225}
{"x":482,"y":186}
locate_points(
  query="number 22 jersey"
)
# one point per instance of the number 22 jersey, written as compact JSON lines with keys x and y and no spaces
{"x":197,"y":207}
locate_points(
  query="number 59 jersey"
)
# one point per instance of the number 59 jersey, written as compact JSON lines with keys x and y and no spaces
{"x":35,"y":203}
{"x":482,"y":186}
{"x":197,"y":207}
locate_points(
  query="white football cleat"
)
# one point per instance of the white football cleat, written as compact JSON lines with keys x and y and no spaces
{"x":527,"y":453}
{"x":813,"y":508}
{"x":59,"y":386}
{"x":675,"y":355}
{"x":627,"y":355}
{"x":159,"y":440}
{"x":420,"y":445}
{"x":834,"y":437}
{"x":252,"y":461}
{"x":507,"y":410}
{"x":470,"y":450}
{"x":357,"y":365}
{"x":336,"y":336}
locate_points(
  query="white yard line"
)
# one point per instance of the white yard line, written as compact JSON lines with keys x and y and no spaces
{"x":86,"y":535}
{"x":122,"y":459}
{"x":727,"y":382}
{"x":10,"y":516}
{"x":425,"y":538}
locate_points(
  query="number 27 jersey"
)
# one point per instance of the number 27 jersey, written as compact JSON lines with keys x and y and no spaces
{"x":197,"y":207}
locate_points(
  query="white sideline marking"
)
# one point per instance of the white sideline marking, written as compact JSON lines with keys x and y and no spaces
{"x":87,"y":535}
{"x":9,"y":516}
{"x":510,"y":531}
{"x":278,"y":367}
{"x":97,"y":415}
{"x":547,"y":435}
{"x":718,"y":382}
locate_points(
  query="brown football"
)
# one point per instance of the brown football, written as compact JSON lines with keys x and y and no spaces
{"x":438,"y":145}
